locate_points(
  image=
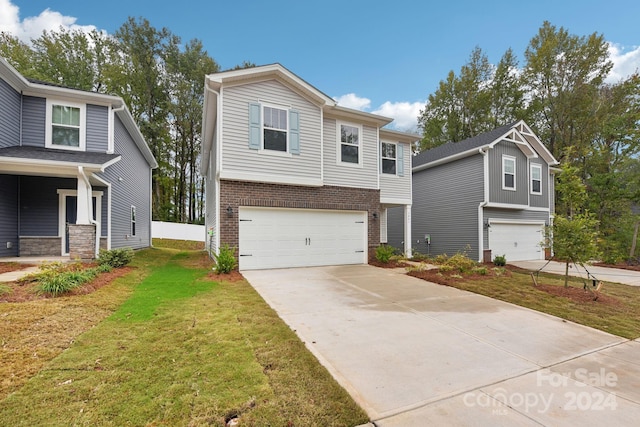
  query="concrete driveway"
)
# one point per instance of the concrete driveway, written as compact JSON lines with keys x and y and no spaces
{"x":606,"y":274}
{"x":415,"y":353}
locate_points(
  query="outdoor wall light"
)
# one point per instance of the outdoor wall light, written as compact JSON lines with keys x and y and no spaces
{"x":229,"y":211}
{"x":486,"y":223}
{"x":375,"y":215}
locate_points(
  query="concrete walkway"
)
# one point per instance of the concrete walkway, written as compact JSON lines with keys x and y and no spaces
{"x":12,"y":276}
{"x":606,"y":274}
{"x":413,"y":353}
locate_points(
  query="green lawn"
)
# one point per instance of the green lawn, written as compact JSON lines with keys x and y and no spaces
{"x":180,"y":350}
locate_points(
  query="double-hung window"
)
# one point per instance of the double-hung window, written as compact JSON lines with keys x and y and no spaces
{"x":349,"y":144}
{"x":536,"y":179}
{"x":508,"y":173}
{"x":274,"y":129}
{"x":133,"y":220}
{"x":388,"y":158}
{"x":65,"y":126}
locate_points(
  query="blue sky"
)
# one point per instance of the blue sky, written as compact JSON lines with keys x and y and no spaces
{"x":382,"y":57}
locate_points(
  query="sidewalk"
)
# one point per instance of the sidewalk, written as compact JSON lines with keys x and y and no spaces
{"x":605,"y":274}
{"x":12,"y":276}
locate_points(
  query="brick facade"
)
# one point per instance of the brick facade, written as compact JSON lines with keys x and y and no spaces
{"x":238,"y":193}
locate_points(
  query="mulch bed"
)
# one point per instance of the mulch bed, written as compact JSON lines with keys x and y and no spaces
{"x":27,"y":291}
{"x":390,"y":264}
{"x":621,"y":265}
{"x":6,"y":267}
{"x":233,"y":276}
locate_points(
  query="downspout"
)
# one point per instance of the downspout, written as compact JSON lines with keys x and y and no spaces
{"x":216,"y":180}
{"x":482,"y":204}
{"x":90,"y":209}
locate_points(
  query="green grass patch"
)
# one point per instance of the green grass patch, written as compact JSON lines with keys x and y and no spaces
{"x":184,"y":351}
{"x":188,"y":245}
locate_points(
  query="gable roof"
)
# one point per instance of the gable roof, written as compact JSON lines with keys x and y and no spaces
{"x":516,"y":132}
{"x":43,"y":89}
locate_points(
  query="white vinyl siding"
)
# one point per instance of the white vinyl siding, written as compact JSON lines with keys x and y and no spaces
{"x":236,"y":155}
{"x":359,"y":177}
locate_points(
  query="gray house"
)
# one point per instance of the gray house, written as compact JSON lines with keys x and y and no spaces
{"x":73,"y":167}
{"x":487,"y":195}
{"x":293,"y":179}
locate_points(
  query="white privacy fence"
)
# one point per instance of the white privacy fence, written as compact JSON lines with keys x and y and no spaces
{"x":172,"y":230}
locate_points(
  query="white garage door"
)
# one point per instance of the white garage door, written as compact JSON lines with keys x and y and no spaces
{"x":518,"y":242}
{"x":281,"y":238}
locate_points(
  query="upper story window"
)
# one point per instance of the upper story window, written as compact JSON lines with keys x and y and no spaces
{"x":536,"y":179}
{"x":349,"y":144}
{"x":66,"y":125}
{"x":508,"y":173}
{"x":389,"y":158}
{"x":274,"y":129}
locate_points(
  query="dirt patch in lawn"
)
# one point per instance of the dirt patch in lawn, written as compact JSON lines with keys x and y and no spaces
{"x":390,"y":264}
{"x":581,"y":296}
{"x":6,"y":267}
{"x":28,"y":291}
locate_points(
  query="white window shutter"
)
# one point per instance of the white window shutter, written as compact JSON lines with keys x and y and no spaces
{"x":254,"y":126}
{"x":400,"y":159}
{"x":294,"y":132}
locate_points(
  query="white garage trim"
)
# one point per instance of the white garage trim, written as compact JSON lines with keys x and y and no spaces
{"x":283,"y":238}
{"x":517,"y":240}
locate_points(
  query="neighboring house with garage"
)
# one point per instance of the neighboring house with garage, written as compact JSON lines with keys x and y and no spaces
{"x":73,"y":166}
{"x":292,"y":179}
{"x":488,"y":195}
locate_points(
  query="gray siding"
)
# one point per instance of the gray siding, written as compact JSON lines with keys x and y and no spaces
{"x":445,"y":205}
{"x":397,"y":187}
{"x":97,"y":128}
{"x":133,"y":190}
{"x":511,"y":214}
{"x":552,"y":191}
{"x":496,"y":193}
{"x":236,"y":155}
{"x":350,"y":176}
{"x":33,"y":121}
{"x":9,"y":116}
{"x":8,"y":215}
{"x":39,"y":204}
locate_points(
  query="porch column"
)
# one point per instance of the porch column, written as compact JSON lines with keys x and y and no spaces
{"x":84,"y":205}
{"x":407,"y":231}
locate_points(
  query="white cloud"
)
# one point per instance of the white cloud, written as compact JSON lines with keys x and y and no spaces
{"x":404,"y":114}
{"x":351,"y":100}
{"x":33,"y":26}
{"x":624,"y":63}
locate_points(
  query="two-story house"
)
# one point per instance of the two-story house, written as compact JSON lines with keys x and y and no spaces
{"x":75,"y":172}
{"x":293,"y":179}
{"x":487,"y":195}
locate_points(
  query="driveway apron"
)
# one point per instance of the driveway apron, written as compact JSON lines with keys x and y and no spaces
{"x":410,"y":351}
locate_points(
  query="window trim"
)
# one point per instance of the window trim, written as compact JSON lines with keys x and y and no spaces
{"x":504,"y":159}
{"x":82,"y":144}
{"x":133,"y":221}
{"x":264,"y":150}
{"x":382,"y":158}
{"x":339,"y":144}
{"x":539,"y":167}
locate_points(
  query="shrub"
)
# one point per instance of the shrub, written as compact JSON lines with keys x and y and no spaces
{"x":500,"y":260}
{"x":481,"y":270}
{"x":115,"y":258}
{"x":225,"y":260}
{"x":64,"y":281}
{"x":417,"y":256}
{"x":461,"y":262}
{"x":384,"y":253}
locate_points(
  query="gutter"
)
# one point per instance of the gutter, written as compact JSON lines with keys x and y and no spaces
{"x":216,"y":180}
{"x":485,"y":202}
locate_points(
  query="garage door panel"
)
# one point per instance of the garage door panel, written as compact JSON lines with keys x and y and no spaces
{"x":279,"y":238}
{"x":517,"y":241}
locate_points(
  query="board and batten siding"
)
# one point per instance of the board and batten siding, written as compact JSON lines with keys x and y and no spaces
{"x":34,"y":119}
{"x":236,"y":154}
{"x":394,"y":187}
{"x":445,"y":206}
{"x":514,"y":215}
{"x":348,"y":175}
{"x":540,"y":200}
{"x":134,"y":189}
{"x":8,"y":215}
{"x":9,"y":116}
{"x":97,"y":128}
{"x":496,"y":194}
